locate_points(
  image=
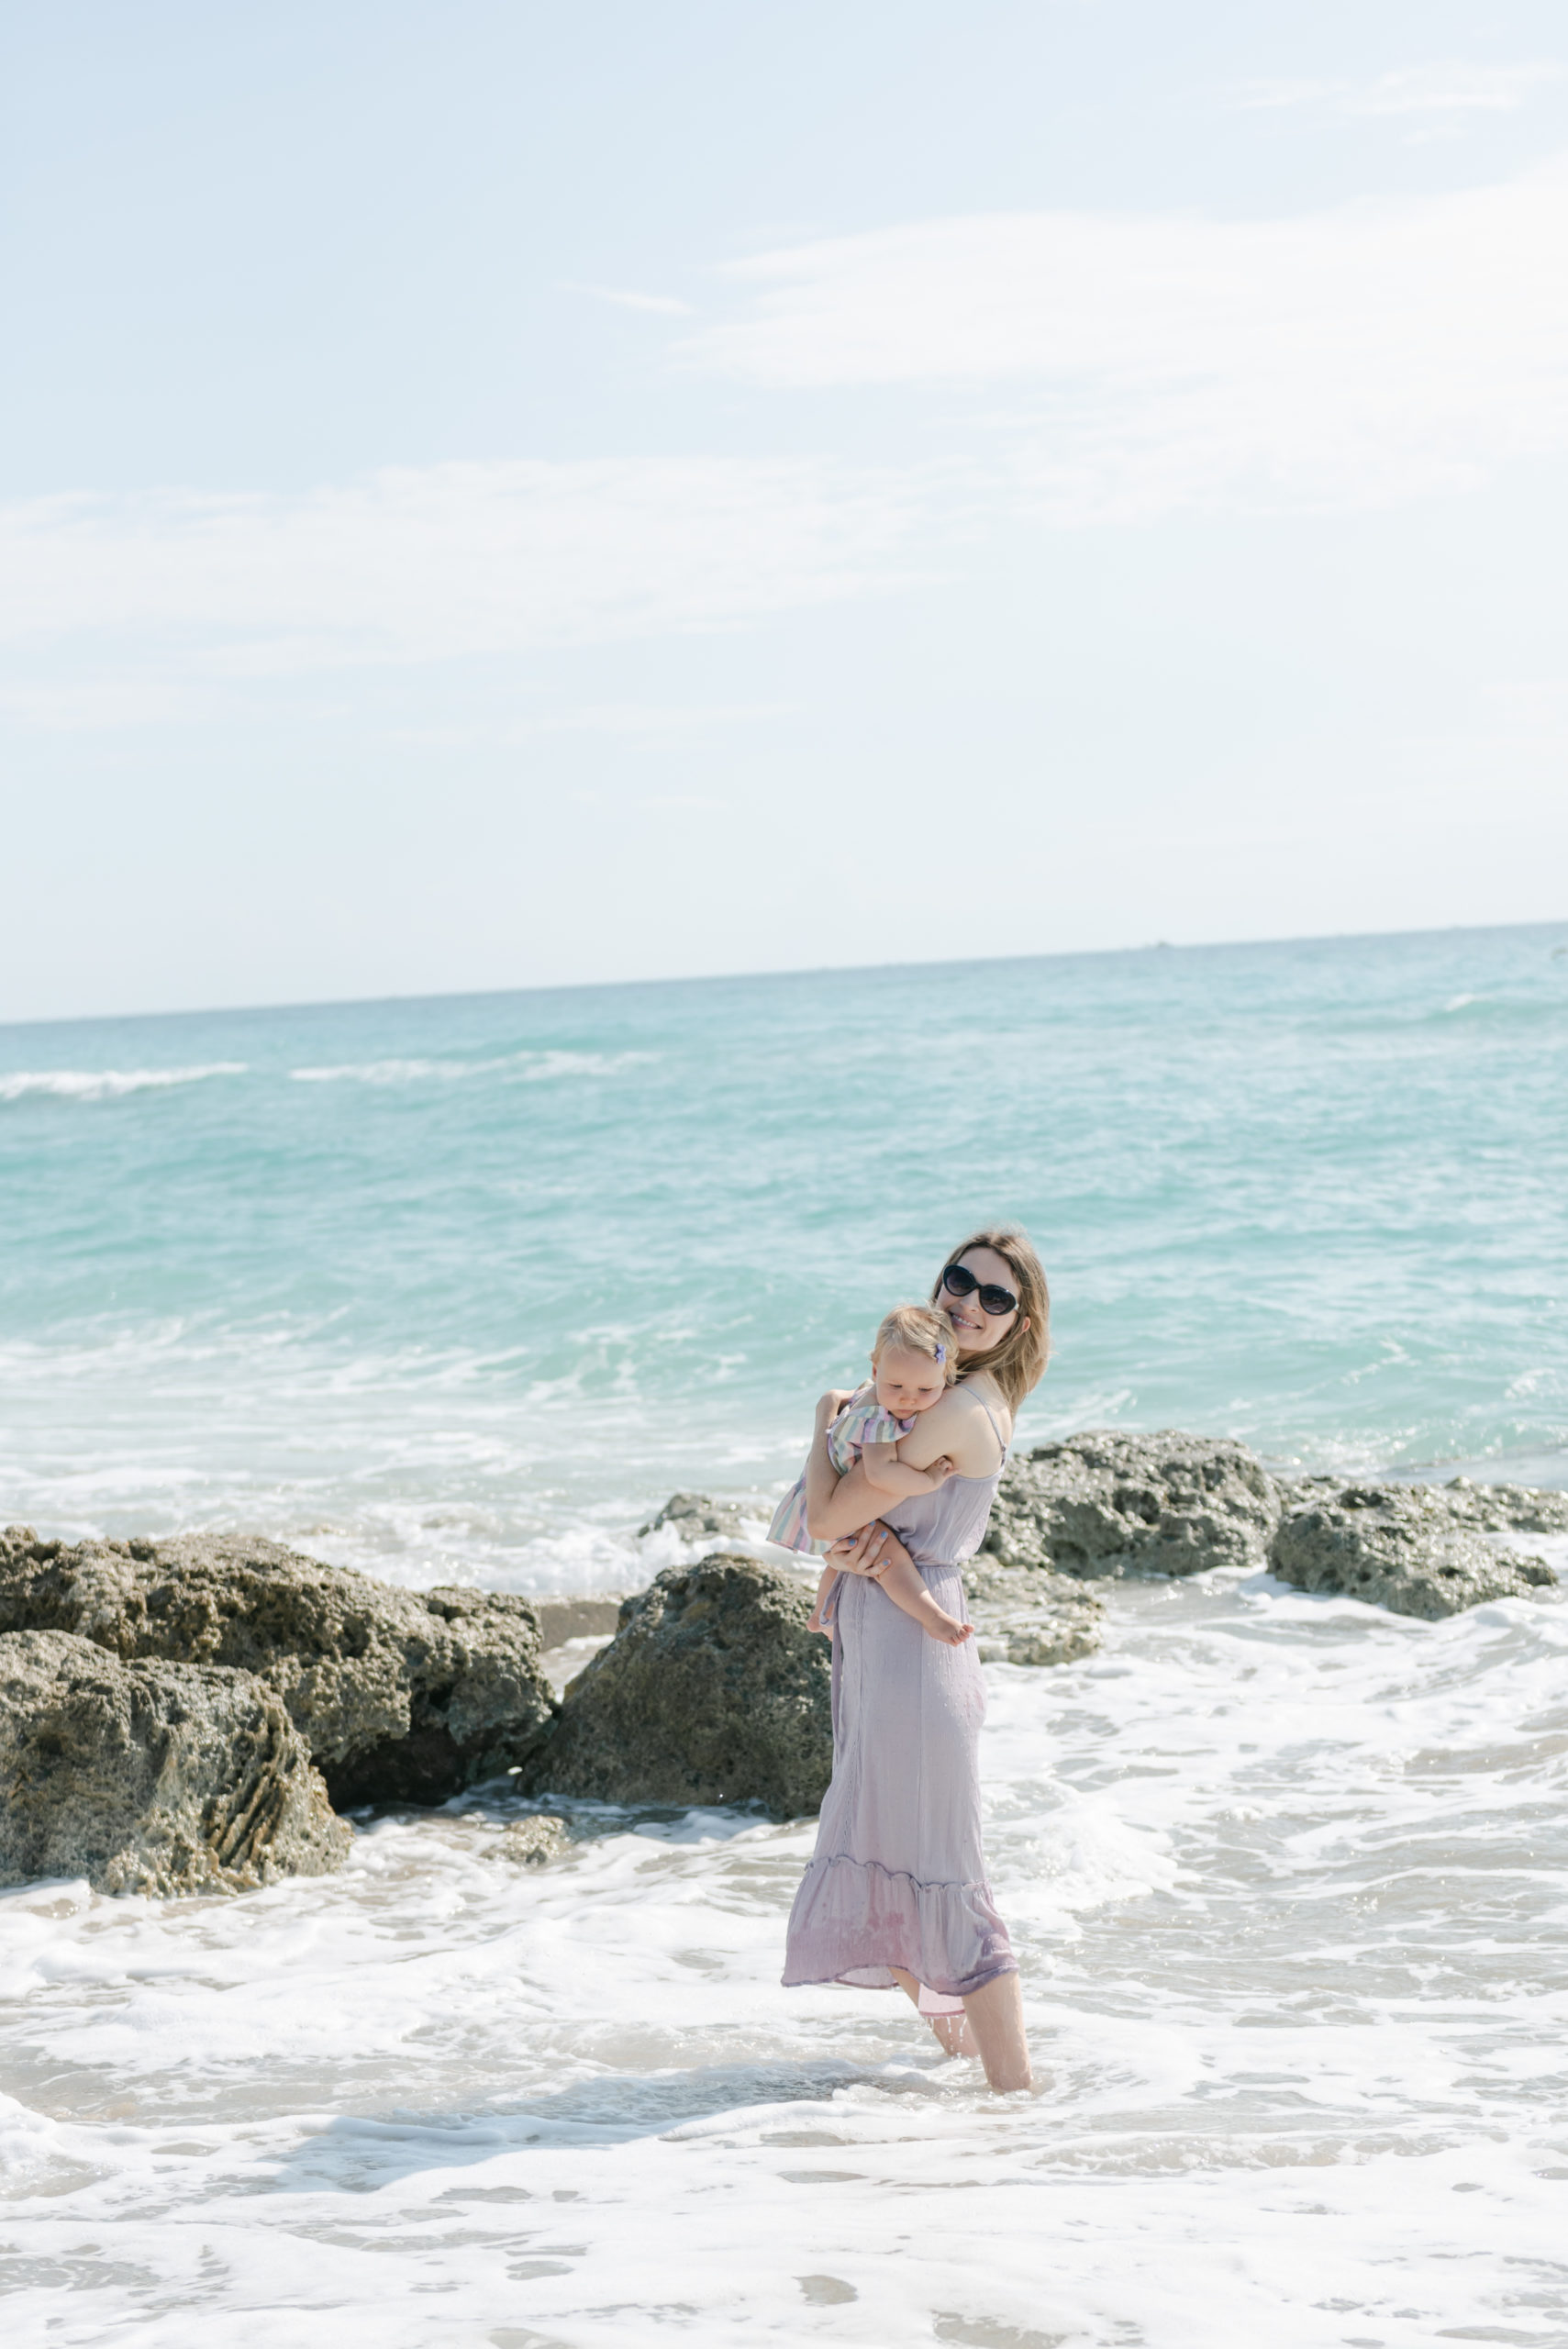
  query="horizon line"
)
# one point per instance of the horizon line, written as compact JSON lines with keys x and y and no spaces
{"x":801,"y":971}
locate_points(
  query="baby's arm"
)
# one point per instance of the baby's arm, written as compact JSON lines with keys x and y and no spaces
{"x":887,"y":1474}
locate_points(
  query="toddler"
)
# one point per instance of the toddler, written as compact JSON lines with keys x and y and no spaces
{"x":914,"y":1362}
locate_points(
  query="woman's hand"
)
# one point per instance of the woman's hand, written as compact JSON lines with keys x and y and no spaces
{"x":869,"y":1552}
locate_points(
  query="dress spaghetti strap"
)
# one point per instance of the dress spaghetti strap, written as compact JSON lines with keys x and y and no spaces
{"x":994,"y":1429}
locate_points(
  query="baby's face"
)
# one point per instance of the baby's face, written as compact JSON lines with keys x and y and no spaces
{"x":906,"y":1382}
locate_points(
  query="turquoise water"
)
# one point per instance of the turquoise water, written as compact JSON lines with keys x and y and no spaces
{"x":463,"y":1285}
{"x":468,"y":1285}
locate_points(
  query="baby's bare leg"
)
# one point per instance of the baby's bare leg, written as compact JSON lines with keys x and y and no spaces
{"x":905,"y":1587}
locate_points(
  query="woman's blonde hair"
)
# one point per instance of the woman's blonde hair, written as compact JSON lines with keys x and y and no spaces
{"x":921,"y":1329}
{"x":1018,"y":1365}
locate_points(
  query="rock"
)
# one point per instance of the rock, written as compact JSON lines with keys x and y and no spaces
{"x":1031,"y":1616}
{"x":401,"y":1696}
{"x":712,"y":1691}
{"x":693,"y":1518}
{"x":527,"y":1843}
{"x":1468,"y":1507}
{"x":1102,"y":1503}
{"x":1502,"y":1509}
{"x":1399,"y":1546}
{"x":591,"y":1617}
{"x":151,"y":1776}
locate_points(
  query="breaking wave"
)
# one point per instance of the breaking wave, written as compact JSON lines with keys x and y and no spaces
{"x":105,"y":1084}
{"x":516,"y":1068}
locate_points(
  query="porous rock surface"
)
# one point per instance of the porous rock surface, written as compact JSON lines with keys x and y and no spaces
{"x":400,"y":1696}
{"x":712,"y":1691}
{"x":151,"y":1776}
{"x":1462,"y":1505}
{"x":1024,"y":1615}
{"x":1498,"y":1508}
{"x":1103,"y":1503}
{"x":1403,"y":1547}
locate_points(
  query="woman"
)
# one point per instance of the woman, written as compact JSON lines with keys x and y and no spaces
{"x":896,"y":1891}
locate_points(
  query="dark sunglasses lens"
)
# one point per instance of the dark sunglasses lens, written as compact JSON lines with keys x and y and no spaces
{"x":959,"y":1281}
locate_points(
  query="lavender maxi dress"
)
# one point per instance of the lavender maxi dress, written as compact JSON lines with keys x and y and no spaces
{"x":898,"y":1874}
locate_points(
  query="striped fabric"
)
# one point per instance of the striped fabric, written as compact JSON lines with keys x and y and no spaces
{"x":862,"y":1421}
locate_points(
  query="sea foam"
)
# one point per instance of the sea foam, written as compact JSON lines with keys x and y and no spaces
{"x":518,"y":1068}
{"x":104,"y":1084}
{"x":1286,"y":1880}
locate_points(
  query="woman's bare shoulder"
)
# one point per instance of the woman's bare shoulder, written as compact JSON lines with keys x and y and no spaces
{"x":986,"y":1403}
{"x":961,"y":1426}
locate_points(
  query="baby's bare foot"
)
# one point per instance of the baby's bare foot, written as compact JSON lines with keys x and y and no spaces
{"x":941,"y":1626}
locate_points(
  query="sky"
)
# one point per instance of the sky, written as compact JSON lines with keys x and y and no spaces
{"x":496,"y":494}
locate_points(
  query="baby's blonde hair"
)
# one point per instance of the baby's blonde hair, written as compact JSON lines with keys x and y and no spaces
{"x":920,"y":1330}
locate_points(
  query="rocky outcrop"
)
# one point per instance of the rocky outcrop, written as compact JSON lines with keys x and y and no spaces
{"x":1031,"y":1616}
{"x":694,"y":1517}
{"x":527,"y":1843}
{"x":712,"y":1691}
{"x":151,"y":1776}
{"x":400,"y":1696}
{"x":1403,"y":1547}
{"x":1502,"y":1509}
{"x":1463,"y":1506}
{"x":1104,"y":1503}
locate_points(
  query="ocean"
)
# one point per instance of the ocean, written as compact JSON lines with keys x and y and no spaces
{"x":461,"y":1289}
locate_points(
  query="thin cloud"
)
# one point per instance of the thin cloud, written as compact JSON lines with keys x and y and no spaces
{"x":1352,"y":357}
{"x":97,"y":704}
{"x":663,"y":305}
{"x":1449,"y":89}
{"x":448,"y":562}
{"x":631,"y":719}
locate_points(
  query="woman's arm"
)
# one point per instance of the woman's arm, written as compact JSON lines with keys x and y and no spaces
{"x":957,"y":1426}
{"x":819,"y":1476}
{"x":848,"y":1503}
{"x":960,"y":1425}
{"x":870,"y":1552}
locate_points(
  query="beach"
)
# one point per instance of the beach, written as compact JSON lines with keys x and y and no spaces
{"x":460,"y":1291}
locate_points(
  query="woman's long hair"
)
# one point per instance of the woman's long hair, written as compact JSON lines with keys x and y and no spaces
{"x":1018,"y":1365}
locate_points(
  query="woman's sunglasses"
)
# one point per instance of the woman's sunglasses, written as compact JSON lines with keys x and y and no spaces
{"x":959,"y":1281}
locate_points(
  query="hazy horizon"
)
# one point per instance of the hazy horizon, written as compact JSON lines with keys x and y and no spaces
{"x":786,"y":970}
